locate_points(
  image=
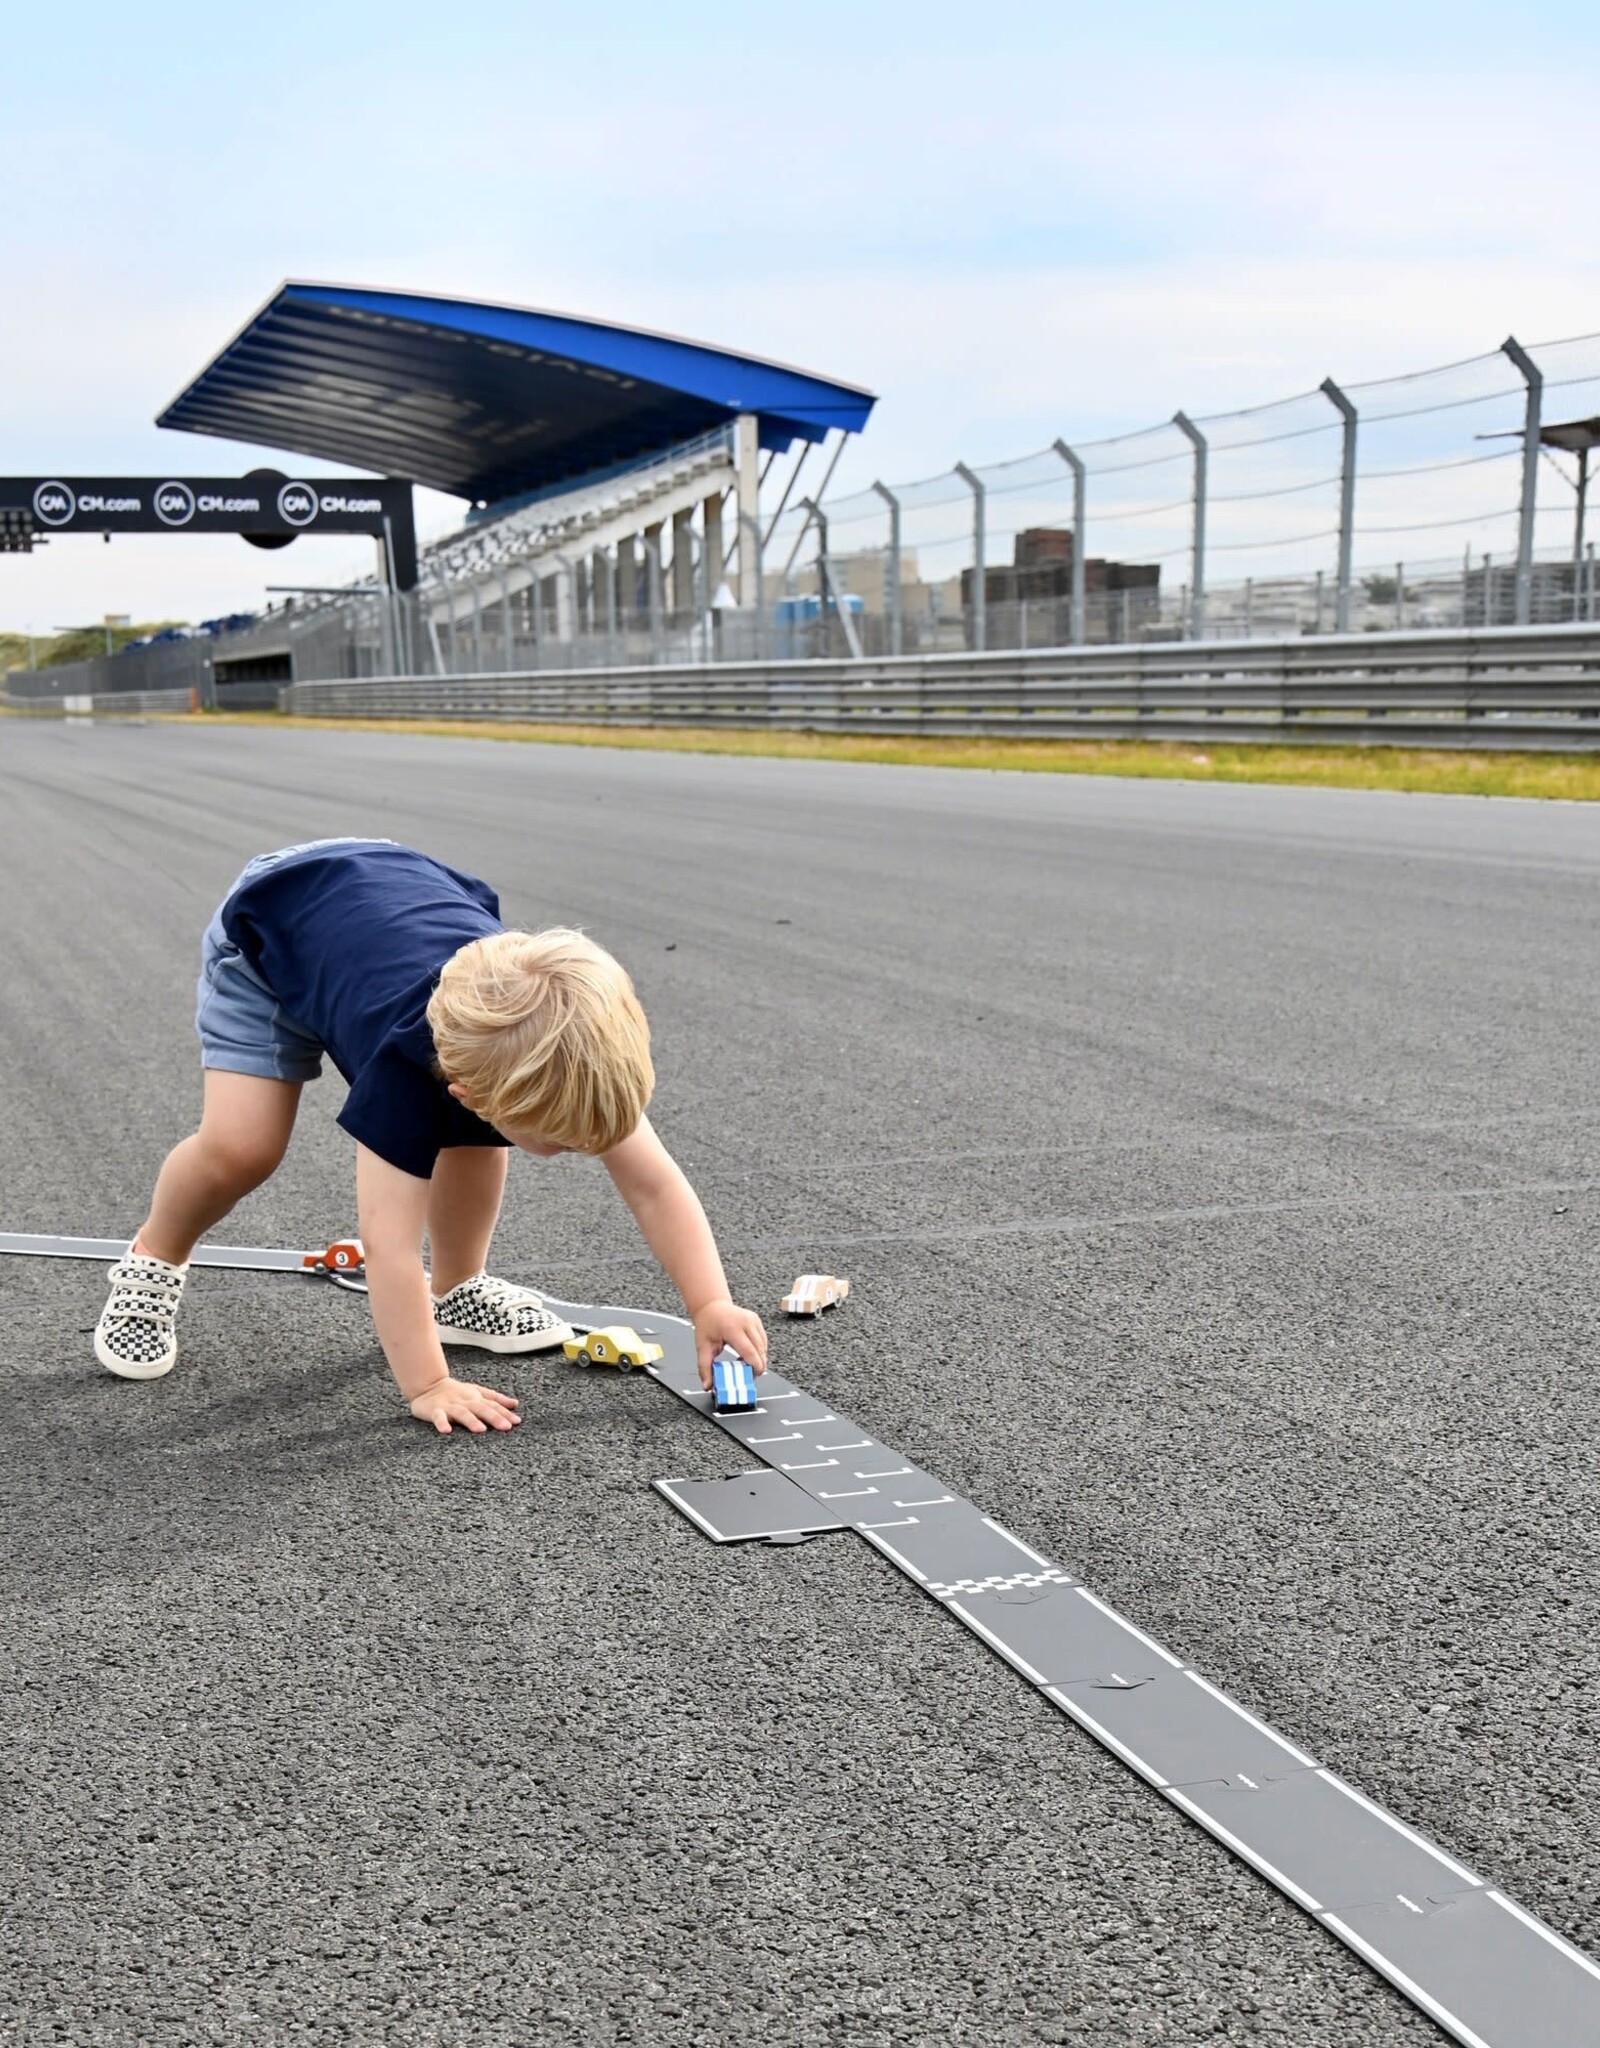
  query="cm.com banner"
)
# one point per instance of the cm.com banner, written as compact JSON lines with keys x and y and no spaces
{"x":264,"y":502}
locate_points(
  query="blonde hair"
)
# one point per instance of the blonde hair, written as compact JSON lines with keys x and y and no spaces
{"x":544,"y":1029}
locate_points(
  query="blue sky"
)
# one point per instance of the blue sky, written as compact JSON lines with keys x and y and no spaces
{"x":1012,"y":223}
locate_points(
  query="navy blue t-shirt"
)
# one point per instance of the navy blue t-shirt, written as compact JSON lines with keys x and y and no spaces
{"x":350,"y":939}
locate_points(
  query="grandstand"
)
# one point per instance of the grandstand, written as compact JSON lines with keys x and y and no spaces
{"x":612,"y":474}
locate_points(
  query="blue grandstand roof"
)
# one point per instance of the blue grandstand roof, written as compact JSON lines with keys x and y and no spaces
{"x":485,"y":401}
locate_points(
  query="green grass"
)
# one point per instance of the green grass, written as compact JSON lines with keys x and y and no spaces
{"x":1572,"y":777}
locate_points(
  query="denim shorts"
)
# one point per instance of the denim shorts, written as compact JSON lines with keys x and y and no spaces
{"x":243,"y":1027}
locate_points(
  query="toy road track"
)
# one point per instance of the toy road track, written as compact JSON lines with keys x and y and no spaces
{"x":341,"y":1262}
{"x":1486,"y":1970}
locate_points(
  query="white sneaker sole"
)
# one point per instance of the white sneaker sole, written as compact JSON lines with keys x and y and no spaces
{"x":130,"y":1368}
{"x":543,"y":1340}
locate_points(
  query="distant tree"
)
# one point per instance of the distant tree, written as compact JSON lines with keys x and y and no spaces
{"x":76,"y":643}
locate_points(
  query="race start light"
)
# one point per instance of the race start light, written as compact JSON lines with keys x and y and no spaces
{"x":17,"y":533}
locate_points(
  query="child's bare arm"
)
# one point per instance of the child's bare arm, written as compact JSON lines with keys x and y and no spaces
{"x":393,"y":1209}
{"x":669,"y":1214}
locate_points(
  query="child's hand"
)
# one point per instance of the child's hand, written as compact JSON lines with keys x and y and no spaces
{"x":724,"y":1322}
{"x":474,"y":1407}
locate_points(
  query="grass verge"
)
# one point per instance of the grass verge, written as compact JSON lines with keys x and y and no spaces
{"x":1574,"y":777}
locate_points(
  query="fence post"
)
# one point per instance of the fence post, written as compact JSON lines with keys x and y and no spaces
{"x":1347,"y":501}
{"x":1318,"y":627}
{"x":819,"y":519}
{"x":1249,"y":608}
{"x":1534,"y":379}
{"x":1197,"y":588}
{"x":892,"y":580}
{"x":980,"y":592}
{"x":1075,"y":463}
{"x":1399,"y":596}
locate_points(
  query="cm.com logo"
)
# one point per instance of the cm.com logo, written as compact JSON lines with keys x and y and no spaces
{"x":174,"y":503}
{"x":297,"y":504}
{"x":54,"y":504}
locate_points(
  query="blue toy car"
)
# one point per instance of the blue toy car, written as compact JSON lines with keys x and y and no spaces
{"x":733,"y":1384}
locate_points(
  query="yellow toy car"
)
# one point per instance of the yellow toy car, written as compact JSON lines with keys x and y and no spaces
{"x":616,"y":1345}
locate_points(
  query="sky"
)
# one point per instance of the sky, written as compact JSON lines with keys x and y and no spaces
{"x":1012,"y":224}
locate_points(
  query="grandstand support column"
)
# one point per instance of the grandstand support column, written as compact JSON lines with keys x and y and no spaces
{"x":700,"y":591}
{"x":979,"y":613}
{"x":683,"y":597}
{"x":439,"y":667}
{"x":628,"y":582}
{"x":1347,"y":502}
{"x":1534,"y":379}
{"x":893,"y":602}
{"x":602,"y":584}
{"x":716,"y":554}
{"x":750,"y":545}
{"x":1197,"y":584}
{"x":654,"y":592}
{"x":477,"y":629}
{"x":747,"y":505}
{"x":566,"y":582}
{"x":1075,"y":463}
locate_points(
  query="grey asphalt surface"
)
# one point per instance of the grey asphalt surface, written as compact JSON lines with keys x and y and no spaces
{"x":1215,"y":1172}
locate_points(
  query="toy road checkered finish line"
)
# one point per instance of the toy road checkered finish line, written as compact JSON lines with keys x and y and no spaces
{"x":1467,"y":1955}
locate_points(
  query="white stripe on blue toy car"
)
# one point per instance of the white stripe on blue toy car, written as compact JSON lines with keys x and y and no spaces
{"x":733,"y":1383}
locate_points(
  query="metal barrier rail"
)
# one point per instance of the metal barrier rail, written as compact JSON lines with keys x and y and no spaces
{"x":101,"y":704}
{"x":1503,"y":688}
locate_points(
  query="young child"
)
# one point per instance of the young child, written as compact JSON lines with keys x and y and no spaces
{"x":459,"y":1039}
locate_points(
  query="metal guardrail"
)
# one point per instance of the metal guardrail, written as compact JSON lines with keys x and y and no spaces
{"x":101,"y":703}
{"x":1504,"y":688}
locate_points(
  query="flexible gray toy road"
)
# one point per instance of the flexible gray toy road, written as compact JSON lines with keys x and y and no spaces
{"x":1467,"y":1955}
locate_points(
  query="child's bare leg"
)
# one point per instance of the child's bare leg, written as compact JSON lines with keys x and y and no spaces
{"x":469,"y":1184}
{"x":244,"y":1132}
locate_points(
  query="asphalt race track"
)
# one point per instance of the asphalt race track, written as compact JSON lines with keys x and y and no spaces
{"x":1215,"y":1170}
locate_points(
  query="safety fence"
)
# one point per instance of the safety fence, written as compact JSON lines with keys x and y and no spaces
{"x":1449,"y":498}
{"x":1501,"y":688}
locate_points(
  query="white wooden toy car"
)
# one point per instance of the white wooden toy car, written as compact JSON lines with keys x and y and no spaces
{"x":813,"y":1292}
{"x":615,"y":1345}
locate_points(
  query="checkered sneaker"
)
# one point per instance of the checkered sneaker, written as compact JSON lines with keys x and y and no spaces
{"x":497,"y":1316}
{"x":135,"y":1336}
